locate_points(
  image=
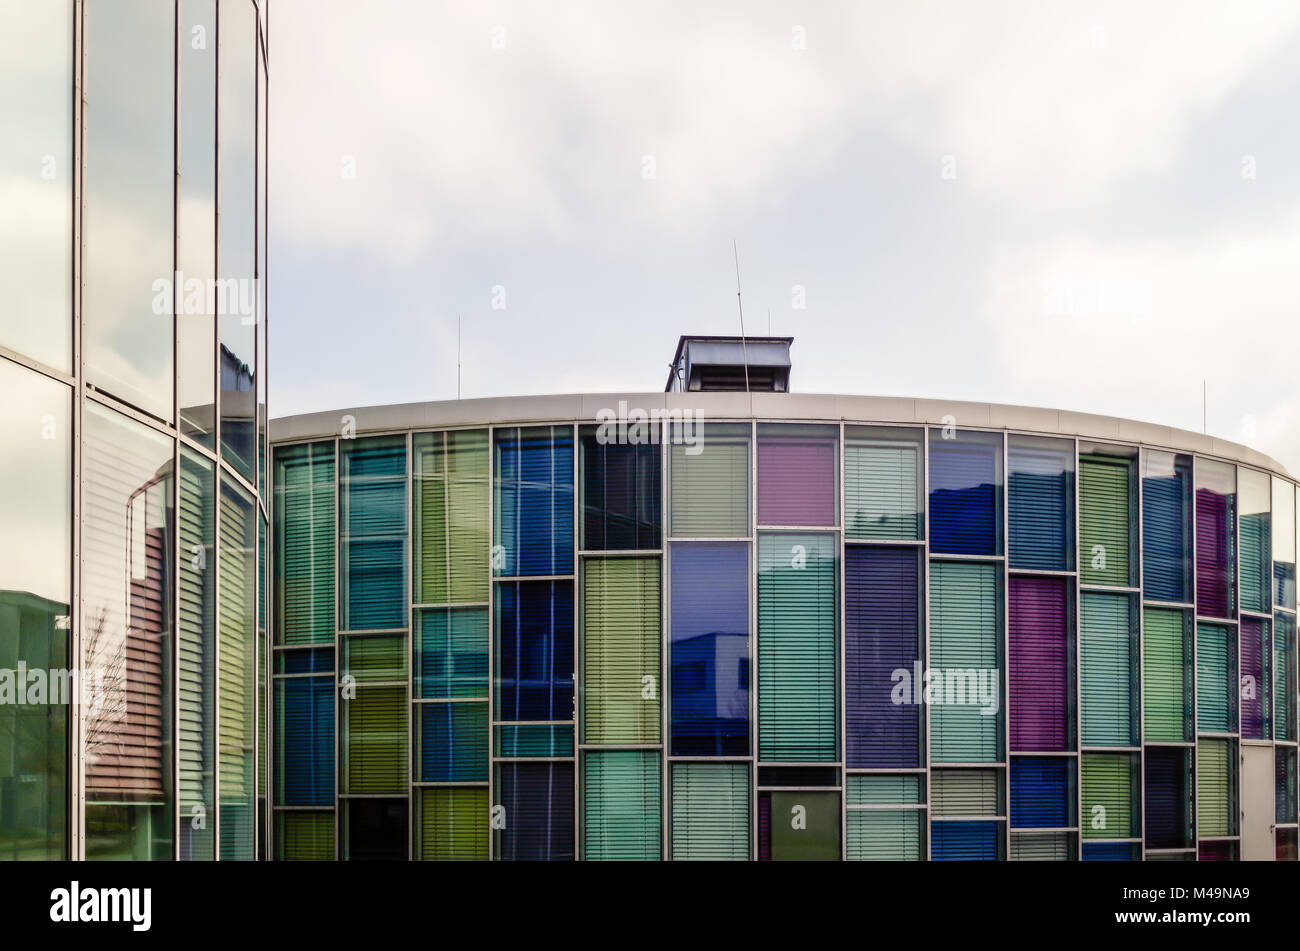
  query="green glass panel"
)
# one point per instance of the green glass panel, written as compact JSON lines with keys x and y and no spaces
{"x":375,"y":658}
{"x":1215,"y":792}
{"x":1216,"y":662}
{"x":710,"y":811}
{"x":304,"y":544}
{"x":885,"y":835}
{"x":965,"y":626}
{"x":237,"y":672}
{"x":304,"y":836}
{"x":451,"y":516}
{"x":452,"y":653}
{"x":375,"y":741}
{"x":196,"y":688}
{"x":453,"y":824}
{"x":967,"y":793}
{"x":1109,"y":796}
{"x":882,"y":483}
{"x":620,"y":650}
{"x":1105,"y":520}
{"x":1041,"y":847}
{"x":542,"y":740}
{"x":805,"y":826}
{"x":1166,"y":682}
{"x":709,"y":482}
{"x":621,"y":805}
{"x":885,"y":790}
{"x":1108,"y":639}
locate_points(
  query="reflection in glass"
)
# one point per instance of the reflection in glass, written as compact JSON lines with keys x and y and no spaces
{"x":197,"y":688}
{"x":237,"y":573}
{"x":1166,"y":526}
{"x":965,"y":492}
{"x":35,"y":583}
{"x":127,"y":577}
{"x":127,"y":263}
{"x":1284,"y":535}
{"x":196,"y":211}
{"x":1216,"y":528}
{"x":237,"y":237}
{"x":36,"y":179}
{"x":533,"y":502}
{"x":1256,"y":545}
{"x":373,"y":536}
{"x":1040,"y":507}
{"x":620,"y":492}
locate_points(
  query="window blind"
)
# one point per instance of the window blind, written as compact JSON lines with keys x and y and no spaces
{"x":621,"y":805}
{"x":964,"y":841}
{"x":304,"y":836}
{"x":373,"y":484}
{"x":196,"y":685}
{"x":375,"y":742}
{"x":1284,"y":784}
{"x":882,"y":483}
{"x":1110,"y":852}
{"x":538,"y":803}
{"x":1283,"y":532}
{"x":965,"y":491}
{"x":709,"y":708}
{"x":375,"y":658}
{"x":237,"y":672}
{"x":797,"y":475}
{"x":964,"y":622}
{"x":1040,"y":684}
{"x":710,"y":811}
{"x":453,"y":742}
{"x":798,"y":608}
{"x":304,"y":741}
{"x":304,"y":544}
{"x":453,"y":824}
{"x":709,"y":483}
{"x":1215,"y":788}
{"x":1216,"y":539}
{"x":1168,"y":806}
{"x":1042,"y":792}
{"x":1108,"y":640}
{"x":1256,"y":691}
{"x":1167,"y":687}
{"x":1166,"y":505}
{"x":452,"y":653}
{"x":885,"y":835}
{"x":1254,"y":525}
{"x":450,"y":492}
{"x":542,"y":740}
{"x":1109,"y":795}
{"x":621,"y":642}
{"x":884,"y":789}
{"x":620,"y":494}
{"x":1040,"y":504}
{"x":1283,"y":677}
{"x":966,"y":793}
{"x":1216,"y":662}
{"x":882,"y":634}
{"x":534,"y":645}
{"x":533,"y":507}
{"x":1105,"y":520}
{"x":1042,"y":846}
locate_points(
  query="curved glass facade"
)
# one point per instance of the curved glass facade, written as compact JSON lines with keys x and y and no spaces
{"x":130,"y":658}
{"x":775,"y":638}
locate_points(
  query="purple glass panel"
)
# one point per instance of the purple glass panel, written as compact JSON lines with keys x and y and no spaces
{"x":1217,"y":852}
{"x":796,"y":478}
{"x":1254,"y":686}
{"x":1039,"y":675}
{"x":765,"y":827}
{"x":1213,"y":536}
{"x":881,"y":635}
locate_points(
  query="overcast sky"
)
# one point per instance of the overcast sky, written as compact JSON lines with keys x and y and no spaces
{"x":1090,"y":206}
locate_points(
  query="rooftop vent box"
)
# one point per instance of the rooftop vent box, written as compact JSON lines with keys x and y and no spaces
{"x":722,"y":364}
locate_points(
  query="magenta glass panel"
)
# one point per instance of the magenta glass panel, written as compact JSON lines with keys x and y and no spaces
{"x":1040,"y":665}
{"x":797,"y":468}
{"x":1255,"y":688}
{"x":1216,"y":502}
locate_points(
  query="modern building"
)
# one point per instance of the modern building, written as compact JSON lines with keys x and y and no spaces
{"x":133,"y":169}
{"x":713,"y":623}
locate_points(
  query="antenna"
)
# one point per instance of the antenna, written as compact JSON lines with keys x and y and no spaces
{"x":739,"y":306}
{"x":458,"y":318}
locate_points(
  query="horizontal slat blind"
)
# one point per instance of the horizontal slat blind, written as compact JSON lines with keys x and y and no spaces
{"x":541,"y":740}
{"x":304,"y":543}
{"x":1108,"y":640}
{"x":1254,"y":525}
{"x":533,"y":502}
{"x":1216,"y":539}
{"x":965,"y":487}
{"x":621,"y":805}
{"x":1040,"y":683}
{"x":882,"y":484}
{"x":1283,"y":677}
{"x":1041,"y":846}
{"x":453,"y":742}
{"x":881,"y":789}
{"x":964,"y":793}
{"x":452,"y":653}
{"x":304,"y":836}
{"x":710,"y":811}
{"x":1256,"y":691}
{"x":621,"y":642}
{"x":1111,"y":852}
{"x":534,"y":644}
{"x":373,"y":482}
{"x":1167,"y":786}
{"x":709,"y":483}
{"x":885,"y":835}
{"x":797,"y":467}
{"x":196,"y":684}
{"x":1284,"y":777}
{"x":1042,"y":792}
{"x":710,"y":682}
{"x":1166,"y":684}
{"x":1215,"y":787}
{"x":375,"y":658}
{"x":374,"y":748}
{"x":882,"y":634}
{"x":1216,"y":659}
{"x":964,"y":635}
{"x":1283,"y":533}
{"x":304,"y":741}
{"x":1109,"y":800}
{"x":237,"y":672}
{"x":1105,"y":520}
{"x":1040,"y":503}
{"x":620,"y":493}
{"x":453,"y":825}
{"x":539,"y":817}
{"x":964,"y":841}
{"x":798,"y":607}
{"x":450,"y":490}
{"x":1166,"y":504}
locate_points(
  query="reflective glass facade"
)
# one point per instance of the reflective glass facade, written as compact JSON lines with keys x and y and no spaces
{"x":774,"y":639}
{"x":131,"y":578}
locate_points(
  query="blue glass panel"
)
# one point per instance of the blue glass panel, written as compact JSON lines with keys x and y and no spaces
{"x":1040,"y":792}
{"x":453,"y":742}
{"x":965,"y":490}
{"x":534,"y":642}
{"x":533,"y":513}
{"x":305,"y":740}
{"x":964,"y":841}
